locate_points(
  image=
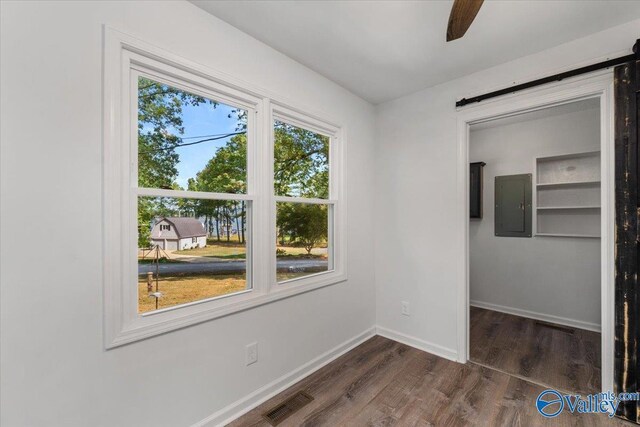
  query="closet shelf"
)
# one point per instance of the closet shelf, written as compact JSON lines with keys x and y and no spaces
{"x":571,"y":156}
{"x":590,"y":236}
{"x":566,"y":207}
{"x":568,"y":195}
{"x":567,"y":183}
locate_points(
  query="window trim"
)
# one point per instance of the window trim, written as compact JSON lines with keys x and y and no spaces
{"x":122,"y":322}
{"x":334,"y":202}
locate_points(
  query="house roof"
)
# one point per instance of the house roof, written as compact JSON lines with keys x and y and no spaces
{"x":186,"y":227}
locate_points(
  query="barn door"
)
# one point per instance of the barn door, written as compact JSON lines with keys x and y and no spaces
{"x":627,"y":290}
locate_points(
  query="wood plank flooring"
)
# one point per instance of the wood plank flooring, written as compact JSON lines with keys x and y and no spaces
{"x":566,"y":360}
{"x":385,"y":383}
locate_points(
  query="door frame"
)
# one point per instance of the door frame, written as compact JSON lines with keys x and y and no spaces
{"x":598,"y":85}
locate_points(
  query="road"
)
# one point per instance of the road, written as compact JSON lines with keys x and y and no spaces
{"x":229,"y":266}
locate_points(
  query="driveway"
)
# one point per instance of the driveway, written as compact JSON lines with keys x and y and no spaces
{"x":286,"y":265}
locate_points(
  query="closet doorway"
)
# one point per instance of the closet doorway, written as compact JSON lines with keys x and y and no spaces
{"x":534,"y":256}
{"x":537,"y":291}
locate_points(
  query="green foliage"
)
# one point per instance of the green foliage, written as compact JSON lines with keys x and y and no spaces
{"x":305,"y":224}
{"x":159,"y":115}
{"x":301,"y":162}
{"x":226,"y":172}
{"x":159,"y":120}
{"x":301,"y":169}
{"x":145,"y":217}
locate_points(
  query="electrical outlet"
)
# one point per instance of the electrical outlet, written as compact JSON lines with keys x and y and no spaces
{"x":405,"y":308}
{"x":252,"y":353}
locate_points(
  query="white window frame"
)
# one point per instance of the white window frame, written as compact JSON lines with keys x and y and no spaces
{"x":125,"y":57}
{"x":333,"y":202}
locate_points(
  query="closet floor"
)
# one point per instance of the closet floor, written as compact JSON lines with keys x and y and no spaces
{"x":564,"y":358}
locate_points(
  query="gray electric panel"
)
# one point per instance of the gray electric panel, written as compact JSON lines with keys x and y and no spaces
{"x":513,"y":205}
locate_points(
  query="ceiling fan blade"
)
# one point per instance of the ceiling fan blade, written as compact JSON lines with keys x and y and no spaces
{"x":462,"y":15}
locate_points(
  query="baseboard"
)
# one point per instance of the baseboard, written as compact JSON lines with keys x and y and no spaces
{"x":538,"y":316}
{"x":429,"y":347}
{"x":247,"y":403}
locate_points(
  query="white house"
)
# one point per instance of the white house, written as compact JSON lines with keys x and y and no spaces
{"x":178,"y":234}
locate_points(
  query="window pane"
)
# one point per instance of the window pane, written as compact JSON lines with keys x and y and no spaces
{"x":301,"y":167}
{"x":187,"y":142}
{"x":302,"y":240}
{"x":190,"y":250}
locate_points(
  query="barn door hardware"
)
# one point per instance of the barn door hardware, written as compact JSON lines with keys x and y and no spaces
{"x":556,"y":77}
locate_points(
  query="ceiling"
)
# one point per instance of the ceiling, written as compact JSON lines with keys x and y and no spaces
{"x":381,"y":50}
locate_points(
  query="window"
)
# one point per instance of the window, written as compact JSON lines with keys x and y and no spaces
{"x":301,"y":186}
{"x":189,"y":144}
{"x":217,"y":199}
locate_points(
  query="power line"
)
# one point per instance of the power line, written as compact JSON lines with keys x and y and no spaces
{"x":203,"y":136}
{"x":192,"y":143}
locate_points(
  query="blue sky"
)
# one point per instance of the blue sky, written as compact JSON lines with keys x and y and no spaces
{"x":198,"y":121}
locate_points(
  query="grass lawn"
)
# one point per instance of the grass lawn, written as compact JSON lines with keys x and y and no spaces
{"x":178,"y":290}
{"x":302,"y":252}
{"x":217,"y":250}
{"x":238,"y":251}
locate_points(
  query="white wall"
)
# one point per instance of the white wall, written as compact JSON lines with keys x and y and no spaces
{"x":549,"y":276}
{"x":417,"y":231}
{"x":54,"y":369}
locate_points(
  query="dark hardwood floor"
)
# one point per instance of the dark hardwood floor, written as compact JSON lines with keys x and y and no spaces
{"x":383,"y":383}
{"x":567,"y":359}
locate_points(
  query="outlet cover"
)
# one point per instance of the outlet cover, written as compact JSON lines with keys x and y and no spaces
{"x":252,"y":353}
{"x":405,"y":308}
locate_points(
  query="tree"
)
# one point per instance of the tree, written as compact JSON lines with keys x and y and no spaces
{"x":301,"y":169}
{"x":159,"y":129}
{"x":305,"y":223}
{"x":301,"y":162}
{"x":225,"y":172}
